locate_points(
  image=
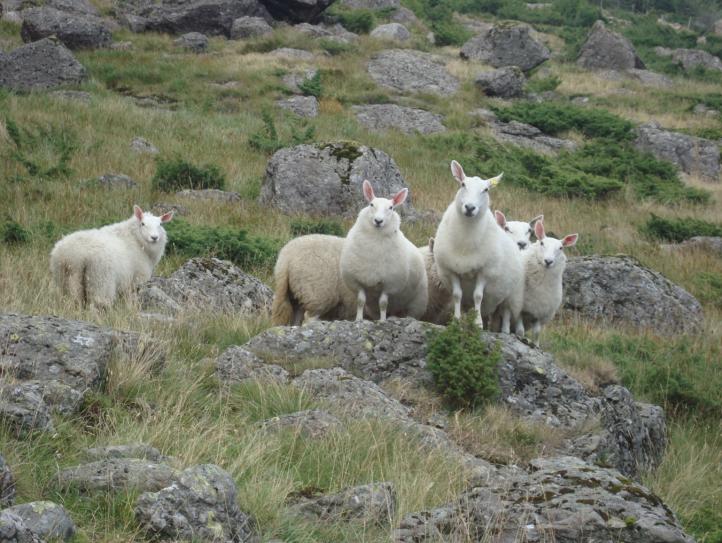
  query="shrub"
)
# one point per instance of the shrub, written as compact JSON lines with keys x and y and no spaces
{"x":311,"y":86}
{"x":302,"y":227}
{"x":43,"y":151}
{"x":13,"y":233}
{"x":464,"y":368}
{"x":543,"y":84}
{"x":360,"y":21}
{"x":335,"y":47}
{"x":678,"y":230}
{"x":222,"y":242}
{"x":177,"y":174}
{"x":268,"y":140}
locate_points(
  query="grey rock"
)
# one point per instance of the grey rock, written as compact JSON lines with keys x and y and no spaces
{"x":689,"y":59}
{"x":485,"y":115}
{"x":75,"y":96}
{"x":117,"y":181}
{"x":526,"y":135}
{"x":75,"y":31}
{"x":14,"y":530}
{"x":303,"y":106}
{"x":312,"y":423}
{"x":708,"y":244}
{"x":58,"y":396}
{"x":238,"y":365}
{"x":46,"y":519}
{"x":200,"y":506}
{"x":142,"y":145}
{"x":703,"y":109}
{"x":161,"y":208}
{"x":371,"y":4}
{"x":405,"y":119}
{"x":132,"y":22}
{"x":537,"y":5}
{"x":606,"y":50}
{"x":133,"y":450}
{"x":374,"y":503}
{"x":391,"y":32}
{"x":82,"y":7}
{"x":213,"y":195}
{"x":296,"y":11}
{"x":249,"y":27}
{"x":43,"y":64}
{"x":409,"y":71}
{"x":22,"y":408}
{"x":7,"y":484}
{"x":326,"y":178}
{"x":506,"y":82}
{"x":649,"y":78}
{"x":193,"y":41}
{"x":295,"y":79}
{"x":328,"y":32}
{"x":288,"y":53}
{"x":404,"y":16}
{"x":506,"y":45}
{"x":690,"y":154}
{"x":207,"y":284}
{"x":122,"y":46}
{"x":618,"y":289}
{"x":564,"y":496}
{"x":118,"y":474}
{"x":12,"y":17}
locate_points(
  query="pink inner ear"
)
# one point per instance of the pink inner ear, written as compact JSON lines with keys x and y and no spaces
{"x":400,"y":197}
{"x":570,"y":240}
{"x":457,"y":171}
{"x":368,"y":191}
{"x":539,"y":230}
{"x":166,"y":217}
{"x":138,"y":212}
{"x":500,"y":218}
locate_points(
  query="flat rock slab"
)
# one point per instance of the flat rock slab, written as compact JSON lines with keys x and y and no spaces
{"x":116,"y":181}
{"x":373,"y":503}
{"x":620,"y":290}
{"x":409,"y":71}
{"x":74,"y":30}
{"x":47,"y":520}
{"x":7,"y":484}
{"x":312,"y":423}
{"x":608,"y":50}
{"x":43,"y":64}
{"x":405,"y":119}
{"x":118,"y":474}
{"x":506,"y":45}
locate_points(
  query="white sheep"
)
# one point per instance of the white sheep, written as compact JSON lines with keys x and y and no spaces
{"x":308,"y":282}
{"x":519,"y":231}
{"x":475,"y":259}
{"x":439,"y":307}
{"x":95,"y":266}
{"x":544,"y":264}
{"x":378,"y":262}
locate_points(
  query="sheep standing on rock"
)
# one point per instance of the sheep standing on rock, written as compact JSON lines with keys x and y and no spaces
{"x":95,"y":266}
{"x":378,"y":262}
{"x":438,"y":308}
{"x":519,"y":231}
{"x":544,"y":264}
{"x":475,"y":258}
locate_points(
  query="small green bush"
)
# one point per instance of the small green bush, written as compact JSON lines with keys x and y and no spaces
{"x":543,"y":84}
{"x":335,"y":47}
{"x":360,"y":21}
{"x":44,"y":152}
{"x":678,"y":230}
{"x":312,"y":86}
{"x":464,"y":368}
{"x":268,"y":140}
{"x":222,"y":242}
{"x":708,"y":288}
{"x":13,"y":233}
{"x":176,"y":174}
{"x":302,"y":227}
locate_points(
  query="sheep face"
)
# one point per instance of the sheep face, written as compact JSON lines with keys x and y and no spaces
{"x":150,"y":227}
{"x":521,"y":232}
{"x":472,"y":198}
{"x":380,"y":214}
{"x":549,"y":252}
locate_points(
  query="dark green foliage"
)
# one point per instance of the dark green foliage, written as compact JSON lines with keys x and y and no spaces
{"x":543,"y":84}
{"x":312,"y":86}
{"x":222,"y":242}
{"x":176,"y":174}
{"x":301,"y":227}
{"x":360,"y":21}
{"x":708,"y":288}
{"x":463,"y":366}
{"x":438,"y":14}
{"x":678,"y":230}
{"x":335,"y":47}
{"x":13,"y":233}
{"x":267,"y":140}
{"x":44,"y":152}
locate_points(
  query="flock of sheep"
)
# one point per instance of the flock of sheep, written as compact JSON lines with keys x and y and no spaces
{"x":476,"y":260}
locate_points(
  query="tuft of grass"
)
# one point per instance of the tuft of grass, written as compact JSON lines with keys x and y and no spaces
{"x":13,"y":233}
{"x":312,"y":86}
{"x":268,"y":140}
{"x":176,"y":174}
{"x":679,"y":229}
{"x":43,"y":151}
{"x":302,"y":227}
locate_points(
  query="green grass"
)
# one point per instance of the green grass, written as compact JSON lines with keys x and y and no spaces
{"x":679,"y":229}
{"x":174,"y":174}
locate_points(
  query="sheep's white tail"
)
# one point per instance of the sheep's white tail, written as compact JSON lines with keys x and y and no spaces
{"x":283,"y":310}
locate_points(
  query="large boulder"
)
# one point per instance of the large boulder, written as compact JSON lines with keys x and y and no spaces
{"x":620,"y":290}
{"x":326,"y":179}
{"x":689,"y":59}
{"x":296,"y":11}
{"x":195,"y":42}
{"x":507,"y":82}
{"x":408,"y":71}
{"x":206,"y":284}
{"x":43,"y":64}
{"x":391,"y":32}
{"x":374,"y":503}
{"x":118,"y":474}
{"x":607,"y":50}
{"x":405,"y":119}
{"x":14,"y":530}
{"x":506,"y":45}
{"x":690,"y":154}
{"x":249,"y":27}
{"x":564,"y":496}
{"x":75,"y":31}
{"x":47,"y":520}
{"x":200,"y":506}
{"x":7,"y":484}
{"x":82,"y":7}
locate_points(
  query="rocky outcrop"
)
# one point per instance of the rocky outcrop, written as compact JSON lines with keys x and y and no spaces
{"x":48,"y":520}
{"x":118,"y":474}
{"x":391,"y":32}
{"x":374,"y":503}
{"x":408,"y":71}
{"x":313,"y":423}
{"x":526,"y":135}
{"x":506,"y":45}
{"x":207,"y":284}
{"x":689,"y":59}
{"x":14,"y":530}
{"x":507,"y":82}
{"x":238,"y":365}
{"x":116,"y":181}
{"x":620,"y":290}
{"x":607,"y":50}
{"x":334,"y":33}
{"x":293,"y":80}
{"x":133,"y":450}
{"x":75,"y":31}
{"x":326,"y":179}
{"x":43,"y":64}
{"x":7,"y":484}
{"x":22,"y":408}
{"x":405,"y":119}
{"x":296,"y":11}
{"x":249,"y":27}
{"x":143,"y":146}
{"x":195,"y":42}
{"x":707,"y":244}
{"x":690,"y":154}
{"x":303,"y":106}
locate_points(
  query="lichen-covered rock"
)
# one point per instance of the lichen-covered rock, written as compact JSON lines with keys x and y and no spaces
{"x":526,"y":135}
{"x":689,"y":59}
{"x":43,"y":64}
{"x":506,"y":82}
{"x":22,"y":408}
{"x":116,"y":181}
{"x":391,"y":32}
{"x":58,"y":396}
{"x":506,"y":45}
{"x":117,"y":474}
{"x":210,"y":194}
{"x":312,"y":423}
{"x":373,"y":503}
{"x":74,"y":30}
{"x":207,"y":284}
{"x":303,"y":106}
{"x":193,"y":41}
{"x":618,"y":289}
{"x":291,"y":54}
{"x":249,"y":27}
{"x":690,"y":154}
{"x":133,"y":450}
{"x":293,"y":80}
{"x":409,"y":71}
{"x":47,"y":520}
{"x":326,"y":179}
{"x":14,"y":530}
{"x":7,"y":484}
{"x":238,"y":365}
{"x":143,"y":146}
{"x":335,"y":33}
{"x":607,"y":50}
{"x":564,"y":496}
{"x":405,"y":119}
{"x":200,"y":506}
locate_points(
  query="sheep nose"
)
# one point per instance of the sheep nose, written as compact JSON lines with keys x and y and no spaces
{"x":522,"y":244}
{"x":548,"y":262}
{"x":378,"y":221}
{"x":469,"y":208}
{"x":154,"y":237}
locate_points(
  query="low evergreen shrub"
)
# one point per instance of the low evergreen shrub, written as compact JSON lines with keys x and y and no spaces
{"x":302,"y":227}
{"x":678,"y":230}
{"x":13,"y":233}
{"x":176,"y":174}
{"x":312,"y":86}
{"x":43,"y":151}
{"x":268,"y":140}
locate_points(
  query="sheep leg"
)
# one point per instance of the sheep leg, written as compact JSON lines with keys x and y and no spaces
{"x":536,"y":330}
{"x":360,"y":303}
{"x":478,"y":295}
{"x":298,"y":313}
{"x":519,"y":330}
{"x":383,"y":305}
{"x":456,"y":294}
{"x":505,"y":321}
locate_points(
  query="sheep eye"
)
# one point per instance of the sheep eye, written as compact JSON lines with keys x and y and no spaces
{"x":391,"y":207}
{"x":371,"y":205}
{"x":541,"y":243}
{"x":486,"y":189}
{"x":142,"y":224}
{"x":506,"y":229}
{"x":463,"y":184}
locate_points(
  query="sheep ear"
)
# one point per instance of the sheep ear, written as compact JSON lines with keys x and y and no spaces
{"x":138,"y":212}
{"x":500,"y":218}
{"x":368,"y":190}
{"x":431,"y":245}
{"x":570,"y":240}
{"x":539,"y":230}
{"x":166,"y":217}
{"x":494,"y":181}
{"x":457,"y":171}
{"x":535,"y":219}
{"x":400,"y":197}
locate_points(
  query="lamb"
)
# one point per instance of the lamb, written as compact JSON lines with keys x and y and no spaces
{"x":438,"y":308}
{"x":95,"y":266}
{"x":519,"y":231}
{"x":378,"y":262}
{"x":308,"y":282}
{"x":544,"y":264}
{"x":475,"y":258}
